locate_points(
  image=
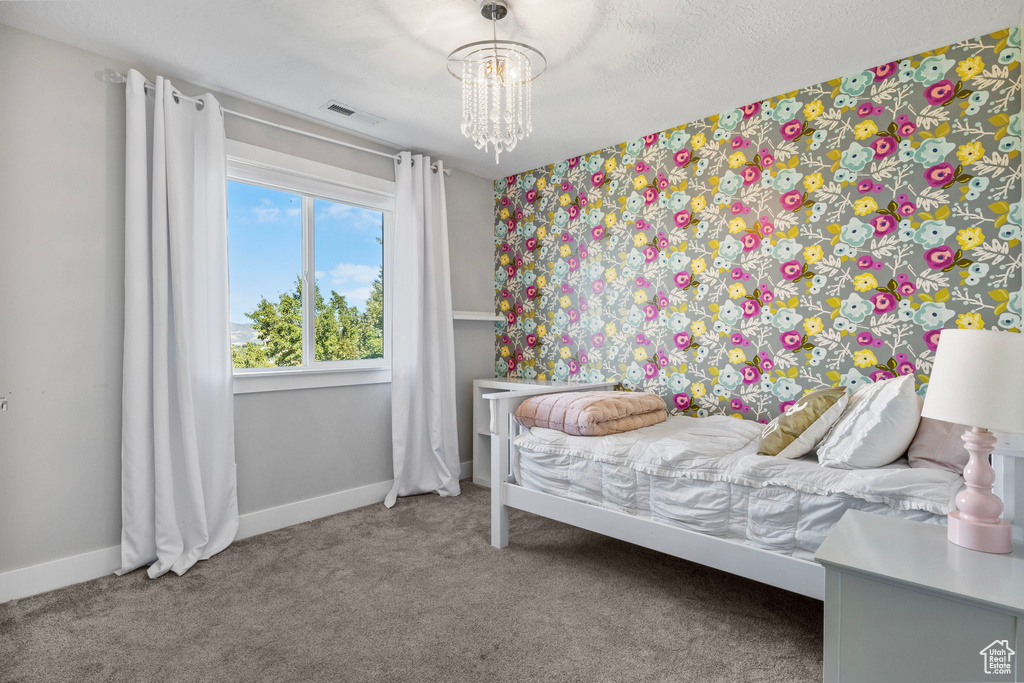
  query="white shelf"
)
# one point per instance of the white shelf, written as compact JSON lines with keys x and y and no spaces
{"x":476,"y":315}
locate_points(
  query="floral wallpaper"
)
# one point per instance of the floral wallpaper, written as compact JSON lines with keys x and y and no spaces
{"x":820,"y":238}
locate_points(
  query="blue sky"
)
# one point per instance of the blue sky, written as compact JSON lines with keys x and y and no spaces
{"x":265,"y":247}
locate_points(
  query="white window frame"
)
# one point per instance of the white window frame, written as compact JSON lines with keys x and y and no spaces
{"x":313,"y":180}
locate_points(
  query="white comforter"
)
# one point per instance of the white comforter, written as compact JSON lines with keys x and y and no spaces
{"x":704,"y":474}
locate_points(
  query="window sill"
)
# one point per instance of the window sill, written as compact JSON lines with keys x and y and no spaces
{"x":286,"y":380}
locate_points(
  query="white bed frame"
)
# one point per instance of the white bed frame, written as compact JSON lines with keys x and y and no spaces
{"x":783,"y":571}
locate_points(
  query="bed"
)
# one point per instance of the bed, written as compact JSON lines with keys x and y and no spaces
{"x":696,"y":489}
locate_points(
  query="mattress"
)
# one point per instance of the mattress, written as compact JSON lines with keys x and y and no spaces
{"x":704,"y":474}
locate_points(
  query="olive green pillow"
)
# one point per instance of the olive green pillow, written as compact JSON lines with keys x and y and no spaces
{"x":804,"y":425}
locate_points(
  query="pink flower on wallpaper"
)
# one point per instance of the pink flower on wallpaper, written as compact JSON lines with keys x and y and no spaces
{"x":531,"y":292}
{"x":865,"y":338}
{"x":574,"y":212}
{"x":750,"y":308}
{"x":574,"y":315}
{"x":906,"y":129}
{"x":940,"y":93}
{"x":750,"y":110}
{"x":531,"y":196}
{"x":786,"y":405}
{"x":939,"y":258}
{"x":792,"y":200}
{"x":865,"y":262}
{"x":940,"y":175}
{"x":750,"y":241}
{"x":767,"y":364}
{"x":530,"y":243}
{"x":681,"y":401}
{"x":650,"y":139}
{"x":512,"y":364}
{"x":879,"y":375}
{"x":906,"y":368}
{"x":650,"y":253}
{"x":767,"y":227}
{"x":682,"y":279}
{"x":906,"y":208}
{"x":931,"y":339}
{"x":661,"y":240}
{"x":791,"y":270}
{"x":865,"y":185}
{"x":750,"y":174}
{"x":884,"y":71}
{"x":884,"y":224}
{"x":883,"y":301}
{"x":642,"y":167}
{"x":792,"y":340}
{"x":531,"y":340}
{"x":682,"y":157}
{"x":597,"y":340}
{"x":682,"y":340}
{"x":791,"y":130}
{"x":574,"y":367}
{"x":681,"y":219}
{"x":750,"y":374}
{"x":884,"y":146}
{"x":650,"y":195}
{"x":510,"y":318}
{"x":650,"y":370}
{"x":767,"y":158}
{"x":574,"y":263}
{"x":663,"y":299}
{"x":597,"y":232}
{"x":597,"y":179}
{"x":865,"y":109}
{"x":511,"y":270}
{"x":597,"y":286}
{"x":650,"y":312}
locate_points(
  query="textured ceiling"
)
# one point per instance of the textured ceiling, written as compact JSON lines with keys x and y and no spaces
{"x":617,"y":68}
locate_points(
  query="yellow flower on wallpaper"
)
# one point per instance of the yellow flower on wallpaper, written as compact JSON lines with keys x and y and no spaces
{"x":698,"y":141}
{"x":564,"y":199}
{"x":609,"y":165}
{"x":541,"y":281}
{"x":969,"y":68}
{"x":737,"y":225}
{"x":640,"y":182}
{"x":610,"y":329}
{"x":542,"y":232}
{"x":813,"y":181}
{"x":864,"y":206}
{"x":505,"y":305}
{"x":969,"y":153}
{"x":864,"y":282}
{"x":611,"y":219}
{"x":505,"y":352}
{"x":698,"y":265}
{"x":737,"y":356}
{"x":504,"y":214}
{"x":865,"y":129}
{"x":565,"y":301}
{"x":698,"y":203}
{"x":541,"y":184}
{"x":639,"y":240}
{"x":813,"y":326}
{"x":970,"y":238}
{"x":698,"y":328}
{"x":737,"y":159}
{"x":504,"y":259}
{"x":564,"y":250}
{"x":564,"y":352}
{"x":610,"y":275}
{"x":639,"y":297}
{"x":736,"y":290}
{"x":813,"y":253}
{"x":698,"y":389}
{"x":640,"y":354}
{"x":813,"y":110}
{"x":864,"y":358}
{"x":970,"y":321}
{"x":542,"y":330}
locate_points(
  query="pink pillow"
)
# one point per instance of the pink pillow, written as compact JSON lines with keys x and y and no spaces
{"x":937,"y":445}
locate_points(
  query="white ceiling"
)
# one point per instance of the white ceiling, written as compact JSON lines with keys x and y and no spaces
{"x":617,"y":68}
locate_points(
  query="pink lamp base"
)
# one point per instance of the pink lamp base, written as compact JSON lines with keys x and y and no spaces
{"x":984,"y":536}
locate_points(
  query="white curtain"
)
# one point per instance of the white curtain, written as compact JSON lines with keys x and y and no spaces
{"x":178,"y":502}
{"x":424,"y":437}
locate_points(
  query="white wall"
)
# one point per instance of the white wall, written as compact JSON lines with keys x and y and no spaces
{"x":61,"y":316}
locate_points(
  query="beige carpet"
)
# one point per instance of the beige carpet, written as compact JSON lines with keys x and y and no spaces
{"x":416,"y":593}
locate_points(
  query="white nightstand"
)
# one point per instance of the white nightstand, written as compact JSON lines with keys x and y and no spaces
{"x":482,"y":415}
{"x":904,"y":604}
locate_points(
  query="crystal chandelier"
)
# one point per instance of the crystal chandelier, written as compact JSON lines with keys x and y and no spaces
{"x":496,"y":77}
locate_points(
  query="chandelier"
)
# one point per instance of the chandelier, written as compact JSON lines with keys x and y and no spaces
{"x":496,"y":75}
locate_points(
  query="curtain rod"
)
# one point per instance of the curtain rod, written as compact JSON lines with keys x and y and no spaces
{"x":119,"y":78}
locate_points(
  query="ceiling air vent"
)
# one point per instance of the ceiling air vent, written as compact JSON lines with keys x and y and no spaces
{"x":351,"y":113}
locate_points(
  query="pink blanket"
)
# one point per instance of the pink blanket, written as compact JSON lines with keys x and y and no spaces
{"x":592,"y":413}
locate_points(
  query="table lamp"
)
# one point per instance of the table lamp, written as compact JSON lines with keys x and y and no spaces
{"x":978,"y":380}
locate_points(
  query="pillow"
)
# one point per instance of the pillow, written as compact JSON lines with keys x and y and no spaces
{"x":938,"y":445}
{"x":592,"y":413}
{"x":799,"y":430}
{"x":875,"y":429}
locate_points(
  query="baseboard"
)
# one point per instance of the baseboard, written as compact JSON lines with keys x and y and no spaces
{"x":39,"y":578}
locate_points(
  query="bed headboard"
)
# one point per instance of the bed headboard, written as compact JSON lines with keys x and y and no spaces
{"x":1008,"y":462}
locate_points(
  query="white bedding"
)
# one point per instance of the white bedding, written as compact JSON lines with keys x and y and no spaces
{"x":704,"y":474}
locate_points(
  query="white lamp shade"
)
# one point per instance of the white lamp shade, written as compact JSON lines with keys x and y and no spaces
{"x":978,"y":380}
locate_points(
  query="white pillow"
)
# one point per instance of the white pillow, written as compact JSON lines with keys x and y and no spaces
{"x":876,"y":428}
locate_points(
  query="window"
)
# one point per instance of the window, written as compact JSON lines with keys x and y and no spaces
{"x":296,"y":226}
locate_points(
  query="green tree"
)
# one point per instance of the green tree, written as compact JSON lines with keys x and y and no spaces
{"x":340,"y":331}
